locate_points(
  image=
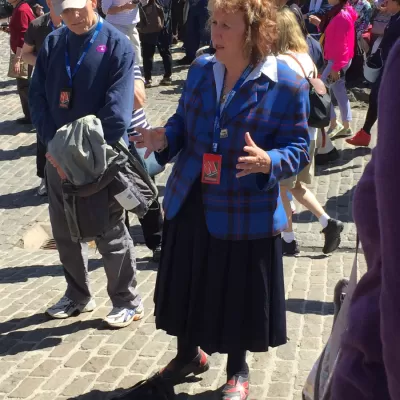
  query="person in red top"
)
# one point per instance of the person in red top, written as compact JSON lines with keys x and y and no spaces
{"x":20,"y":19}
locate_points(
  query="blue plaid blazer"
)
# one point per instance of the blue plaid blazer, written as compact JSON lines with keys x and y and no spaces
{"x":273,"y":105}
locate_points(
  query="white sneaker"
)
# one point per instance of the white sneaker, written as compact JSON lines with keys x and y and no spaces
{"x":42,"y":189}
{"x":66,"y":307}
{"x":120,"y":317}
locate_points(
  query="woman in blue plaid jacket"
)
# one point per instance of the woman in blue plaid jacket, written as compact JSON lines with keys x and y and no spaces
{"x":240,"y":127}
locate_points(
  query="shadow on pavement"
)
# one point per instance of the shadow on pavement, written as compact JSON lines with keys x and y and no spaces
{"x":11,"y":128}
{"x":43,"y":337}
{"x":9,"y":82}
{"x":11,"y":275}
{"x":24,"y":198}
{"x":7,"y":92}
{"x":21,"y":151}
{"x":100,"y":395}
{"x":301,"y":306}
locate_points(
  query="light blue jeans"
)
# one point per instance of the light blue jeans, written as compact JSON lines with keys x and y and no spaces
{"x":338,"y":90}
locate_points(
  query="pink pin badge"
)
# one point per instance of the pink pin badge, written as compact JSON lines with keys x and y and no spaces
{"x":101,"y":48}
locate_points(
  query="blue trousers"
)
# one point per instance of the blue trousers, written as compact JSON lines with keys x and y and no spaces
{"x":197,"y":33}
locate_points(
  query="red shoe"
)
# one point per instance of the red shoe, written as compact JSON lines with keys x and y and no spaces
{"x":361,"y":138}
{"x":236,"y":388}
{"x":176,"y":371}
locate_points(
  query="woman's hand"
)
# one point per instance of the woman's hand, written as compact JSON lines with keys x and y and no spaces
{"x":17,"y":65}
{"x":335,"y":75}
{"x":314,"y":20}
{"x":151,"y":139}
{"x":258,"y":160}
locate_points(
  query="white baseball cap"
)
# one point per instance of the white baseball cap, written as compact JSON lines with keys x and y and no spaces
{"x":61,"y":5}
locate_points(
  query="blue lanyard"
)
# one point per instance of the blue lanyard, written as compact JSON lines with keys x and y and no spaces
{"x":229,"y":97}
{"x":83,"y":55}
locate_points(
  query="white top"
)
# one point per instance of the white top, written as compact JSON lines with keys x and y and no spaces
{"x":309,"y":68}
{"x":128,"y":17}
{"x":269,"y":68}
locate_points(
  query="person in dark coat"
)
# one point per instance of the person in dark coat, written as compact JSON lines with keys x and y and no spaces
{"x":162,"y":40}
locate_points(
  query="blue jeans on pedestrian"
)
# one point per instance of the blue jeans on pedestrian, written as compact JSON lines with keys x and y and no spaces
{"x":197,"y":33}
{"x":338,"y":90}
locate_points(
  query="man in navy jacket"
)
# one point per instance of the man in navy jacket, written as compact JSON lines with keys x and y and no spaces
{"x":86,"y":68}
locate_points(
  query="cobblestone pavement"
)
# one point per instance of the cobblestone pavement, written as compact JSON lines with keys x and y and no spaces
{"x":80,"y":358}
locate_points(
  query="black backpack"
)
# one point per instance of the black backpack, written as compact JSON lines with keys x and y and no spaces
{"x":152,"y":18}
{"x":320,"y":100}
{"x":151,"y":389}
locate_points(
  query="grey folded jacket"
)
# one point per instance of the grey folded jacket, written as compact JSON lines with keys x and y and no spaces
{"x":80,"y":150}
{"x":104,"y":175}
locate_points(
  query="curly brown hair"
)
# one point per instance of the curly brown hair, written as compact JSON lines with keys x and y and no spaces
{"x":260,"y":20}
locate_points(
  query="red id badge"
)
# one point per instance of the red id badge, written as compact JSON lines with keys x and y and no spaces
{"x":211,"y":171}
{"x":65,"y":98}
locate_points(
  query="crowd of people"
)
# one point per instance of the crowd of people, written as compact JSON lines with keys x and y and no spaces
{"x":242,"y":146}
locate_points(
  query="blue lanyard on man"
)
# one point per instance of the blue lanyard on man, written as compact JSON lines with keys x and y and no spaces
{"x":66,"y":93}
{"x":229,"y":97}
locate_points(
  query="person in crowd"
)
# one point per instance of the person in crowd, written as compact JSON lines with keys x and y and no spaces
{"x":196,"y":30}
{"x":34,"y":37}
{"x":95,"y":77}
{"x":364,"y":12}
{"x":368,"y":367}
{"x":338,"y":28}
{"x":326,"y":151}
{"x":315,"y":8}
{"x":152,"y":222}
{"x":20,"y":19}
{"x":392,"y":33}
{"x":124,"y":15}
{"x":222,"y":249}
{"x":292,"y":48}
{"x":177,"y":8}
{"x":162,"y":40}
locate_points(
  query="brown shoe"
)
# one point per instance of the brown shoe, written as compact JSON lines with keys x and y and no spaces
{"x":176,"y":371}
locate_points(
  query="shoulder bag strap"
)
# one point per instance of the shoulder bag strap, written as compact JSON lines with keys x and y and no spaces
{"x":298,"y":62}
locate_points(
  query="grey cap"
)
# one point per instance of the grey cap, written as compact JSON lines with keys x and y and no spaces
{"x":61,"y":5}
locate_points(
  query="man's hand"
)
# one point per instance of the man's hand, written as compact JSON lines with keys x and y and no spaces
{"x":314,"y":20}
{"x":151,"y":139}
{"x":258,"y":160}
{"x":17,"y":65}
{"x":53,"y":162}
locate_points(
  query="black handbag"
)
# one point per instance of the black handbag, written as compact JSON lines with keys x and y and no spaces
{"x":151,"y":389}
{"x":320,"y":100}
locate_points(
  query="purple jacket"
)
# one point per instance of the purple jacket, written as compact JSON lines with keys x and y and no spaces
{"x":370,"y":366}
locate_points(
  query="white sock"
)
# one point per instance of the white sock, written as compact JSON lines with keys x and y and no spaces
{"x":323,"y":220}
{"x":288,"y":236}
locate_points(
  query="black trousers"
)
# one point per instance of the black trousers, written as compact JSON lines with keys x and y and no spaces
{"x":152,"y":225}
{"x":372,"y":113}
{"x":40,"y":157}
{"x":149,"y":43}
{"x":177,"y":18}
{"x":23,"y":89}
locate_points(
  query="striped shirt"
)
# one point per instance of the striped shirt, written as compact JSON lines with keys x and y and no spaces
{"x":128,"y":17}
{"x":138,"y":116}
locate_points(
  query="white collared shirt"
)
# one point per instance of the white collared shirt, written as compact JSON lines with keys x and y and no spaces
{"x":269,"y":68}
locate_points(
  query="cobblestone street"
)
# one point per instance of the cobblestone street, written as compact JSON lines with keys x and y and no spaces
{"x":80,"y":358}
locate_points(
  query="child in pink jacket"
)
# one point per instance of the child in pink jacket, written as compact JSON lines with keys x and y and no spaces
{"x":338,"y":28}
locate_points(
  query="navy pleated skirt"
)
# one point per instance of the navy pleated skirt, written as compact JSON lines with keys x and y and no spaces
{"x":221,"y":295}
